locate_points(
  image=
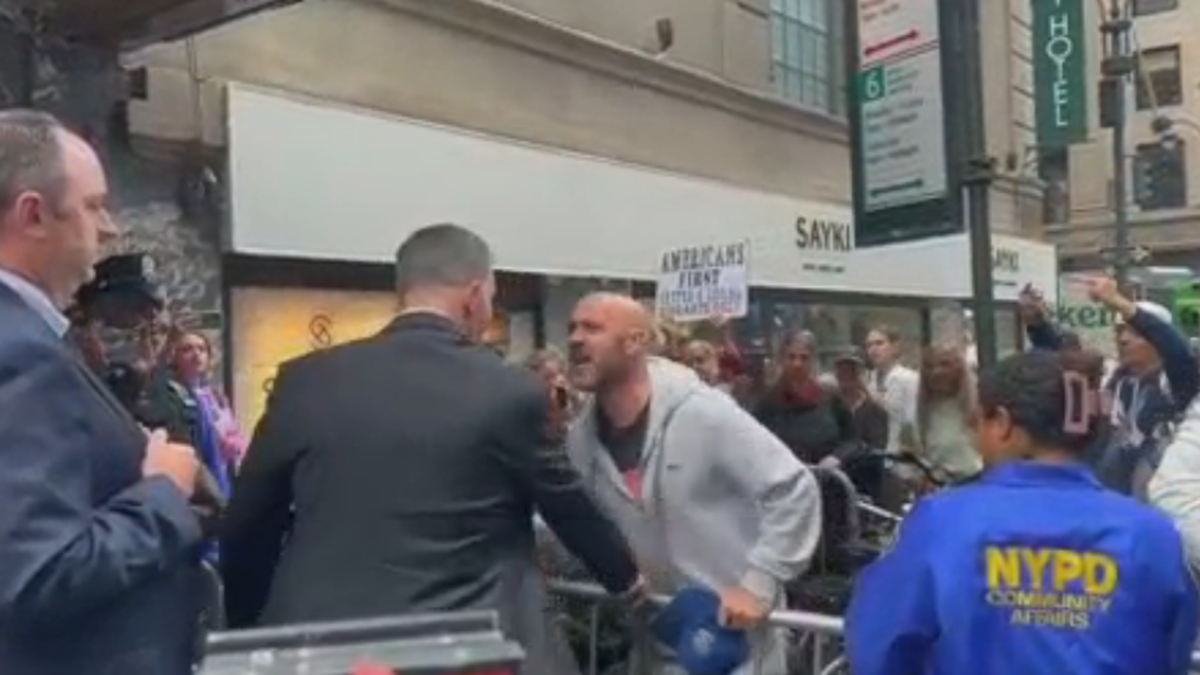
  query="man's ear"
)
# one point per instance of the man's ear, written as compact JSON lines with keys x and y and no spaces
{"x":30,"y":208}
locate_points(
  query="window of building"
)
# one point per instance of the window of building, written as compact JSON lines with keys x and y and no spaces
{"x":768,"y":324}
{"x":1159,"y":73}
{"x":1144,"y":7}
{"x":1054,"y":168}
{"x":1160,"y":176}
{"x":806,"y":53}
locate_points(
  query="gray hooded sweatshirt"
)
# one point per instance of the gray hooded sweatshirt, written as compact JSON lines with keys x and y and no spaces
{"x":724,"y":502}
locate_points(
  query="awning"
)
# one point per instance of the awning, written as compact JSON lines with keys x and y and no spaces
{"x":139,"y":22}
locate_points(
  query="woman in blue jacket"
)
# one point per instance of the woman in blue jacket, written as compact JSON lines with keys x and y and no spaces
{"x":1034,"y":568}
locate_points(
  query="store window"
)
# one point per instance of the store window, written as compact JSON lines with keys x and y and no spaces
{"x":1159,"y":80}
{"x":270,"y":326}
{"x":1009,"y":334}
{"x":1054,"y":168}
{"x":835,"y":326}
{"x":1145,"y":7}
{"x":563,"y":293}
{"x":954,"y":325}
{"x":806,"y":53}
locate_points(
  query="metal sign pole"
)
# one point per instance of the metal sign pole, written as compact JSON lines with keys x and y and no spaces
{"x":1117,"y":68}
{"x":978,"y":178}
{"x":978,"y":169}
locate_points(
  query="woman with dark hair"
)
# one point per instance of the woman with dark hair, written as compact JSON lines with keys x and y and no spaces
{"x":1034,"y":568}
{"x":811,"y":420}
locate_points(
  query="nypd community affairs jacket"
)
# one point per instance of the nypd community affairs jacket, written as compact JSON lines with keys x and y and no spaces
{"x":1033,"y":569}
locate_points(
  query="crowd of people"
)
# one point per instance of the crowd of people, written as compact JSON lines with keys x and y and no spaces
{"x":1055,"y":526}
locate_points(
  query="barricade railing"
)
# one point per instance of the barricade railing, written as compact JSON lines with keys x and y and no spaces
{"x":811,"y":632}
{"x":883,"y":514}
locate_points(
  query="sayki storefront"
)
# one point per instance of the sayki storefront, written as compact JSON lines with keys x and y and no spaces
{"x":321,"y":195}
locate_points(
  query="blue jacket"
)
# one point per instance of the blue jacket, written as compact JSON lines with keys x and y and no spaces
{"x":98,"y":566}
{"x":1034,"y":569}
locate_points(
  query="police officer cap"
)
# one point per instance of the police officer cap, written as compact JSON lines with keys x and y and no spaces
{"x":121,"y":289}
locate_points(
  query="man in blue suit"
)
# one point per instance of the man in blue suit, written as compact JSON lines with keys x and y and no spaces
{"x":98,"y":545}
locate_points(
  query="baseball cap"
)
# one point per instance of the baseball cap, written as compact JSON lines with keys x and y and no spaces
{"x":850,"y":355}
{"x":690,"y":626}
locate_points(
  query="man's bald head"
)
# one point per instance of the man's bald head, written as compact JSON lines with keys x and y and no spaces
{"x":625,"y":312}
{"x":610,"y":337}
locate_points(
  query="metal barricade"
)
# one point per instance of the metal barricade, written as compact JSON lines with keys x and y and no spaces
{"x":811,"y":630}
{"x":812,"y":633}
{"x":870,"y":509}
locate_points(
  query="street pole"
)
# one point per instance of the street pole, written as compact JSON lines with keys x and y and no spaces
{"x":1116,"y":69}
{"x":978,"y":175}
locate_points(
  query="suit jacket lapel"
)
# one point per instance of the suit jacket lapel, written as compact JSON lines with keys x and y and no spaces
{"x":16,"y":304}
{"x":101,"y":388}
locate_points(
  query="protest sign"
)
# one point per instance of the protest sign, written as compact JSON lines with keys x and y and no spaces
{"x":704,"y":281}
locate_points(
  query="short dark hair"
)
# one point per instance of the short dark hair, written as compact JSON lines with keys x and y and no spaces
{"x":1033,"y":388}
{"x":441,"y":255}
{"x":30,"y":155}
{"x":1069,"y":339}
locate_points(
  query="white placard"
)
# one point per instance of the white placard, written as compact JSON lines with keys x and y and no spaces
{"x":705,"y":281}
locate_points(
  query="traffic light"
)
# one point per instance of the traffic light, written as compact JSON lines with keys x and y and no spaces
{"x":1143,"y":182}
{"x":1111,"y":88}
{"x":1158,"y":176}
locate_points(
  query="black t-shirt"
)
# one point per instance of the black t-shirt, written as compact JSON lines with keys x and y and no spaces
{"x":624,"y":444}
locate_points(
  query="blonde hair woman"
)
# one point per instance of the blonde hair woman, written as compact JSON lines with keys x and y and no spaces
{"x":946,"y":414}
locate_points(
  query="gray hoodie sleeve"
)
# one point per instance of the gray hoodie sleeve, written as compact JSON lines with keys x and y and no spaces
{"x":788,"y":498}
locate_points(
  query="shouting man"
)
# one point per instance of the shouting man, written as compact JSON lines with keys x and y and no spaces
{"x":704,"y":495}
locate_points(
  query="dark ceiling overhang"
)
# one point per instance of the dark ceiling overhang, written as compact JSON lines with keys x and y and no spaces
{"x":132,"y":23}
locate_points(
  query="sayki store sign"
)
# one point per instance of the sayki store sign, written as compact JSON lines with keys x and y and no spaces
{"x":825,"y":243}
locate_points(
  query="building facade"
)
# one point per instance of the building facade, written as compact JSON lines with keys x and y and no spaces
{"x":613,"y":131}
{"x":1163,"y":168}
{"x":695,"y":122}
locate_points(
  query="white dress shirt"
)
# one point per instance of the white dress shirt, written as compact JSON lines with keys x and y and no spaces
{"x":897,"y":391}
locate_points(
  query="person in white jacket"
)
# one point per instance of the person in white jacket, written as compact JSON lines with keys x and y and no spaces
{"x":704,"y":495}
{"x":1175,"y":487}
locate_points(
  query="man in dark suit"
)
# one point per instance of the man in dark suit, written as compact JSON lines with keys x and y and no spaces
{"x":414,"y":461}
{"x":97,"y":541}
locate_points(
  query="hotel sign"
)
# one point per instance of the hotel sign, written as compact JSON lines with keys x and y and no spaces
{"x":1060,"y":72}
